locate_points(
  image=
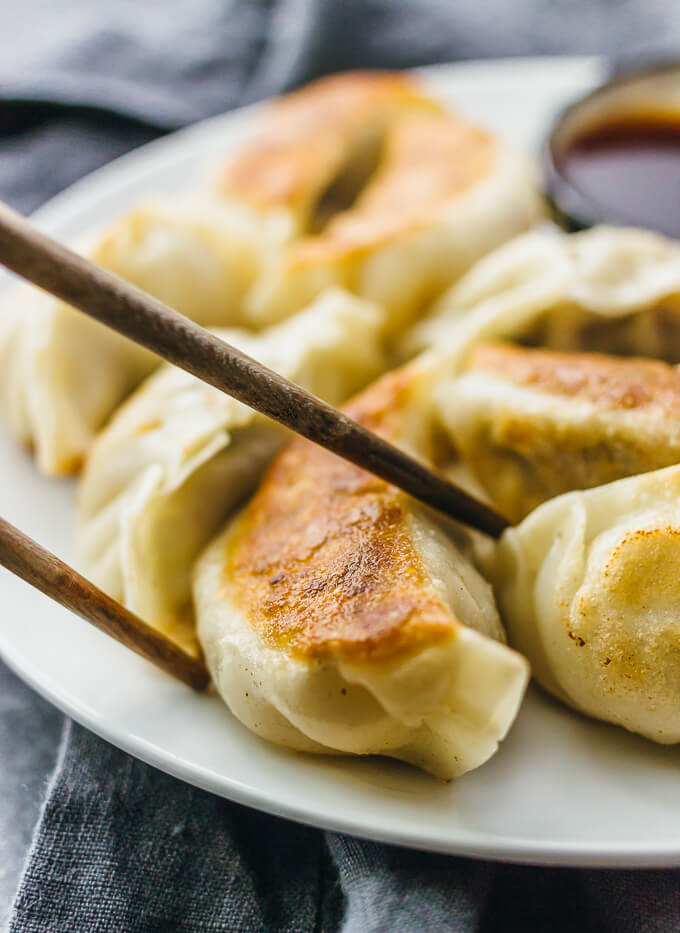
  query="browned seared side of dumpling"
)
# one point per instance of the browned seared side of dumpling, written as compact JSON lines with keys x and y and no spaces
{"x":533,"y":424}
{"x":324,"y":554}
{"x":429,"y":162}
{"x":609,"y":381}
{"x":333,"y":127}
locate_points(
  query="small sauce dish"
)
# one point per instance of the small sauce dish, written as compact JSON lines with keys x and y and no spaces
{"x":614,"y":155}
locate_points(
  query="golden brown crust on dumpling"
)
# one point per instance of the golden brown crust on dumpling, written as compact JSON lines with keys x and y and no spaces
{"x":324,"y":555}
{"x":429,"y":162}
{"x":638,"y":580}
{"x":307,"y":133}
{"x":607,"y":381}
{"x":589,"y":589}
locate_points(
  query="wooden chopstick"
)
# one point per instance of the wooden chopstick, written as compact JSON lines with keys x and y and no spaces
{"x":130,"y":311}
{"x":43,"y":570}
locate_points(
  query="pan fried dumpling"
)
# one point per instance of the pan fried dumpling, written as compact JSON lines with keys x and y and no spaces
{"x":67,"y":372}
{"x":179,"y":456}
{"x":589,"y":590}
{"x":197,"y":257}
{"x":444,"y":193}
{"x":337,"y":615}
{"x":316,"y":147}
{"x":532,"y":424}
{"x":612,"y":290}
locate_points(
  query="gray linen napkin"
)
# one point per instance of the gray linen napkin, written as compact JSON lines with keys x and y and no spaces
{"x":121,"y":846}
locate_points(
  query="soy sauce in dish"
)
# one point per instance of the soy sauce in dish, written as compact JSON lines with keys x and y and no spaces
{"x":631,"y":170}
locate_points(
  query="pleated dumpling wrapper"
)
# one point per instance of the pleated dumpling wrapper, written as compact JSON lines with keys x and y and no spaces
{"x":62,"y":374}
{"x":611,"y":290}
{"x":589,"y":589}
{"x":443,"y":194}
{"x":532,"y":424}
{"x":314,"y":149}
{"x":339,"y":616}
{"x":179,"y":456}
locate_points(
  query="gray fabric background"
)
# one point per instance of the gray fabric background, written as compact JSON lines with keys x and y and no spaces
{"x":119,"y":845}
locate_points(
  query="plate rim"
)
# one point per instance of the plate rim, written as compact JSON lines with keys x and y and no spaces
{"x":519,"y":852}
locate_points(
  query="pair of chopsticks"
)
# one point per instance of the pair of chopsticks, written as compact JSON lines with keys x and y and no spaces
{"x":126,"y":309}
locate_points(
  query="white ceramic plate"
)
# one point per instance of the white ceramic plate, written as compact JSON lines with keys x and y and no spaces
{"x":561,"y":790}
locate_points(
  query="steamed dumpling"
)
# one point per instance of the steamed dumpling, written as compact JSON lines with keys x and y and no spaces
{"x":336,"y":615}
{"x":62,"y":374}
{"x":589,"y":590}
{"x":613,"y":290}
{"x":444,"y":193}
{"x":316,"y":147}
{"x":532,"y":424}
{"x":179,"y":456}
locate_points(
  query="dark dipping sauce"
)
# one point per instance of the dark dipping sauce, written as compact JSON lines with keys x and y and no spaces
{"x":630,"y":171}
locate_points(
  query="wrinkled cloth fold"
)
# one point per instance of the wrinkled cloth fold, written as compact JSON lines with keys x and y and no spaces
{"x":122,"y":846}
{"x":119,"y":845}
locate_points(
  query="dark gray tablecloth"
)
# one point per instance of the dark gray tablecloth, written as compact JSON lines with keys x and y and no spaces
{"x":120,"y":846}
